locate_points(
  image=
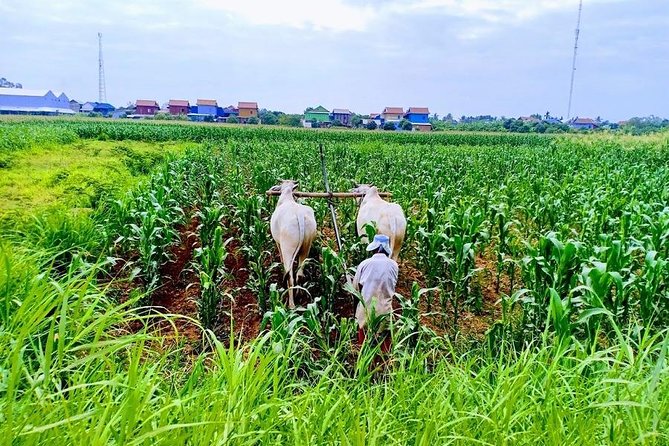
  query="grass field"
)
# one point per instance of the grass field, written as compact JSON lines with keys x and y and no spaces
{"x":141,"y":303}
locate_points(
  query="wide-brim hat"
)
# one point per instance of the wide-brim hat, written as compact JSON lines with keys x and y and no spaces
{"x":380,"y":241}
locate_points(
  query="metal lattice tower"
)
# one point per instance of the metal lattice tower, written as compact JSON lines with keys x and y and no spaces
{"x":573,"y":63}
{"x":102,"y":88}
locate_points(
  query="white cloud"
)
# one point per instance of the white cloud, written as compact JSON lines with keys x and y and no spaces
{"x":495,"y":11}
{"x":344,"y":15}
{"x":332,"y":15}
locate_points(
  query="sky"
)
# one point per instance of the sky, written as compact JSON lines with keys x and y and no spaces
{"x":466,"y":57}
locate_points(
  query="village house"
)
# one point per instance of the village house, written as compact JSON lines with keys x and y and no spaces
{"x":342,"y":115}
{"x":247,"y":110}
{"x":178,"y":107}
{"x":318,"y":114}
{"x":87,"y":107}
{"x":392,"y":114}
{"x":419,"y":117}
{"x":75,"y":106}
{"x":376,"y":117}
{"x":146,"y":107}
{"x":583,"y":124}
{"x":224,"y":113}
{"x":103,"y":108}
{"x":207,"y":107}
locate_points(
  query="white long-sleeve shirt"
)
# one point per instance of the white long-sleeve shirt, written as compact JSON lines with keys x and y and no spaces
{"x":378,"y":277}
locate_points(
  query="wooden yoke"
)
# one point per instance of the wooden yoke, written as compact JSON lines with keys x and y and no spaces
{"x":299,"y":194}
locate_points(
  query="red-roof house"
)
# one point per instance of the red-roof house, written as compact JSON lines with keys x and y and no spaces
{"x":146,"y":107}
{"x":392,"y":114}
{"x":247,"y":110}
{"x":178,"y":107}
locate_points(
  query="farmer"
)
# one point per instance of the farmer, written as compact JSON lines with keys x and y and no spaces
{"x":376,"y":279}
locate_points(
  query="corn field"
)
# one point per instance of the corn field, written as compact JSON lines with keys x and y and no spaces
{"x":552,"y":242}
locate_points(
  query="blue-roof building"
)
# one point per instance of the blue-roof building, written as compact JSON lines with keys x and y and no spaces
{"x":418,"y":115}
{"x":226,"y":112}
{"x":103,"y":108}
{"x":207,"y":107}
{"x":19,"y":101}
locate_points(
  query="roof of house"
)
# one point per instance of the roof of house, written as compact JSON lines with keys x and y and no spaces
{"x":23,"y":92}
{"x":178,"y":103}
{"x":419,"y":110}
{"x":104,"y":105}
{"x":207,"y":102}
{"x":341,"y":111}
{"x":252,"y":105}
{"x":319,"y":109}
{"x":584,"y":121}
{"x":62,"y":111}
{"x":146,"y":103}
{"x":393,"y":110}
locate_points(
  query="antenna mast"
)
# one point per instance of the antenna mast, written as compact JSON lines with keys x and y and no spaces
{"x":573,"y":63}
{"x":102,"y":88}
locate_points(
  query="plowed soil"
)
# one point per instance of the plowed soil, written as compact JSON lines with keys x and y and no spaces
{"x":239,"y":314}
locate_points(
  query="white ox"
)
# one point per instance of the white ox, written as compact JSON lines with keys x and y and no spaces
{"x":388,"y":217}
{"x":293,"y":228}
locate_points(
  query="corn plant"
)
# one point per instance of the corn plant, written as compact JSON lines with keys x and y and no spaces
{"x":332,"y":269}
{"x":210,"y":263}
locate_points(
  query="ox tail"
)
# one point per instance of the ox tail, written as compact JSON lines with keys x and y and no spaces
{"x":393,"y":234}
{"x":300,"y":226}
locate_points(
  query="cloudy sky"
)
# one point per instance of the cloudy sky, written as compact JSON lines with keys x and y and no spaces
{"x":467,"y":57}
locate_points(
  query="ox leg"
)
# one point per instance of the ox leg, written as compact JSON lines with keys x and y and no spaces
{"x":291,"y":284}
{"x":397,"y":246}
{"x":286,"y":257}
{"x":301,"y":259}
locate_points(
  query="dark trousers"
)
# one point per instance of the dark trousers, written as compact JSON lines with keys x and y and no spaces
{"x":384,"y":336}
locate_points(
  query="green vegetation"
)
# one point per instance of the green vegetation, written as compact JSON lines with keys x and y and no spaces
{"x":43,"y":168}
{"x":557,"y":246}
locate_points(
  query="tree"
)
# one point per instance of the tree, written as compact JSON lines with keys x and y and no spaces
{"x":268,"y":118}
{"x":388,"y":125}
{"x":7,"y":84}
{"x":371,"y":125}
{"x":232,"y":120}
{"x":290,"y":120}
{"x":356,"y":121}
{"x":253,"y":120}
{"x":337,"y":123}
{"x":405,"y":124}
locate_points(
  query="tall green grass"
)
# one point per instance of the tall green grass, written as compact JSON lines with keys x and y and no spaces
{"x":72,"y":373}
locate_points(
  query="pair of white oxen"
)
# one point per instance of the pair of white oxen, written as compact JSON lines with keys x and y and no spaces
{"x":293,"y":226}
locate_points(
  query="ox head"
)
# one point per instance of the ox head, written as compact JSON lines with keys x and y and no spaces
{"x":285,"y":184}
{"x":361,"y":189}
